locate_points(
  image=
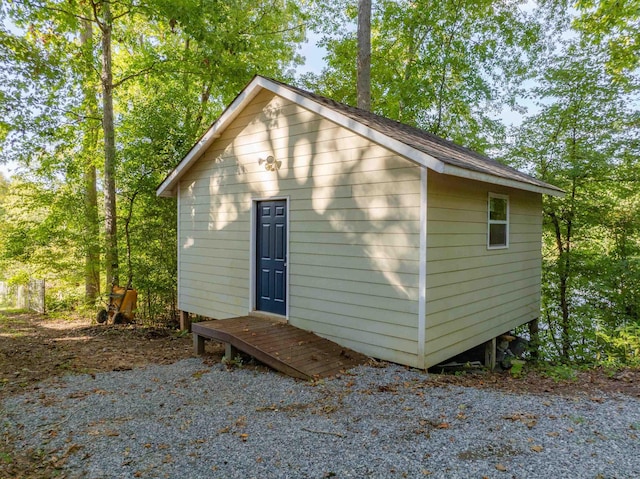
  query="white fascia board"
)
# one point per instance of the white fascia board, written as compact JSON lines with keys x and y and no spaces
{"x":168,"y":186}
{"x":497,"y":180}
{"x":380,"y":138}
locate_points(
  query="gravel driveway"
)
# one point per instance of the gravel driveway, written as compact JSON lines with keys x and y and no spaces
{"x":190,"y":420}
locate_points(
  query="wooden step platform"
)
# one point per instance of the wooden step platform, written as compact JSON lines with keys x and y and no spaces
{"x":290,"y":350}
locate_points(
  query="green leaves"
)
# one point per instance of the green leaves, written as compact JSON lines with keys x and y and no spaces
{"x":175,"y":65}
{"x":584,"y":140}
{"x":447,"y":67}
{"x":614,"y":24}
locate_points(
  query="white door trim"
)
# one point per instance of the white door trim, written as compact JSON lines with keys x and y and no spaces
{"x":252,"y":246}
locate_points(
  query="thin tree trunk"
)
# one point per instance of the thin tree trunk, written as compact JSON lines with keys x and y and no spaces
{"x":566,"y":274}
{"x":111,"y":246}
{"x":204,"y":99}
{"x":564,"y":271}
{"x":364,"y":55}
{"x":91,"y":229}
{"x":128,"y":238}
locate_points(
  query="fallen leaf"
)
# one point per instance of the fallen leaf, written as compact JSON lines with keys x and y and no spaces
{"x":244,"y":437}
{"x":443,"y":425}
{"x":553,"y":434}
{"x":537,"y":448}
{"x":501,"y":467}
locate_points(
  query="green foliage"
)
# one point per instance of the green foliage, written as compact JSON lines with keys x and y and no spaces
{"x":176,"y":64}
{"x":448,"y":67}
{"x":614,"y":24}
{"x":584,"y":139}
{"x":559,"y":372}
{"x":19,"y":279}
{"x":517,"y":368}
{"x":232,"y":363}
{"x":620,"y":346}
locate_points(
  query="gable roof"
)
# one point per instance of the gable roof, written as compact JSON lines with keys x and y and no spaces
{"x":417,"y":145}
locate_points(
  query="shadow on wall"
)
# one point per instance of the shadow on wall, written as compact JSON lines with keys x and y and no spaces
{"x":354,"y":212}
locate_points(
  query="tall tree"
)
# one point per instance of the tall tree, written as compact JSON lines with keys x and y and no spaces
{"x":614,"y":25}
{"x":448,"y":67}
{"x":579,"y":141}
{"x":364,"y":54}
{"x":173,"y":67}
{"x":104,"y":18}
{"x":89,"y":143}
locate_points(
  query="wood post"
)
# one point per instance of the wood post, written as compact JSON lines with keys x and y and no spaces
{"x":230,"y":352}
{"x":490,"y":354}
{"x":198,"y":344}
{"x":185,"y":321}
{"x":534,"y":339}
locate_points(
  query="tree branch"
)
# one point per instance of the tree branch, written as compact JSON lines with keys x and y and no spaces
{"x":65,"y":12}
{"x":133,"y":75}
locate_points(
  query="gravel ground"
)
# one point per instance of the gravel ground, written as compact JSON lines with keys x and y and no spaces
{"x":192,"y":420}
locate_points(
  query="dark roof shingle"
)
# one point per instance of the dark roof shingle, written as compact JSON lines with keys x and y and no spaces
{"x":439,"y":148}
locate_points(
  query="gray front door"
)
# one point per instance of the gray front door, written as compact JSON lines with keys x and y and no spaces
{"x":271,"y":257}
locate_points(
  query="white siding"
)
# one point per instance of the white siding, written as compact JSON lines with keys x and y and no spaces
{"x":354,"y":228}
{"x":473,"y":293}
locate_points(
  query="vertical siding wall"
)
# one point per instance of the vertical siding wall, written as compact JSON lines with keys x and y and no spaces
{"x":475,"y":294}
{"x":354,"y":228}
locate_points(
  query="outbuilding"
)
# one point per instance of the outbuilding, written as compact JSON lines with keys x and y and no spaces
{"x":376,"y":235}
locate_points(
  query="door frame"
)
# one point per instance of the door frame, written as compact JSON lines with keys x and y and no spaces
{"x":253,"y":259}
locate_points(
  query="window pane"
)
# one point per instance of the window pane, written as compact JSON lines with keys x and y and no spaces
{"x":498,"y":209}
{"x":497,"y":235}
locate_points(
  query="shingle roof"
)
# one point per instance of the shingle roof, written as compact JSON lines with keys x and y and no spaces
{"x":444,"y":150}
{"x":417,"y":145}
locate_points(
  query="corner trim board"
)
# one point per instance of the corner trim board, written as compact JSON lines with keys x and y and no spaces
{"x":178,"y":247}
{"x":422,"y":265}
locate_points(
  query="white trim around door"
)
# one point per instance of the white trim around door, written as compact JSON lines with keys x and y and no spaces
{"x":253,"y":245}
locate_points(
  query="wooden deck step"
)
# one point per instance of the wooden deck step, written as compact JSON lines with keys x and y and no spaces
{"x":285,"y":348}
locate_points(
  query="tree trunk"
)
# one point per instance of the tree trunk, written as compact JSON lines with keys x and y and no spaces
{"x":564,"y":271}
{"x":111,"y":246}
{"x":91,"y":227}
{"x":364,"y":55}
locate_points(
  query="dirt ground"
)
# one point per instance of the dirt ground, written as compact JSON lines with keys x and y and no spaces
{"x":34,"y":348}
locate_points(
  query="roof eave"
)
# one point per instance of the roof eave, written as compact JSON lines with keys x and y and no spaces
{"x":168,"y":187}
{"x":498,"y":180}
{"x":345,"y":121}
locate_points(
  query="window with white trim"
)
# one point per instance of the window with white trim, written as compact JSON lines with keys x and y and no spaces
{"x":498,"y":221}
